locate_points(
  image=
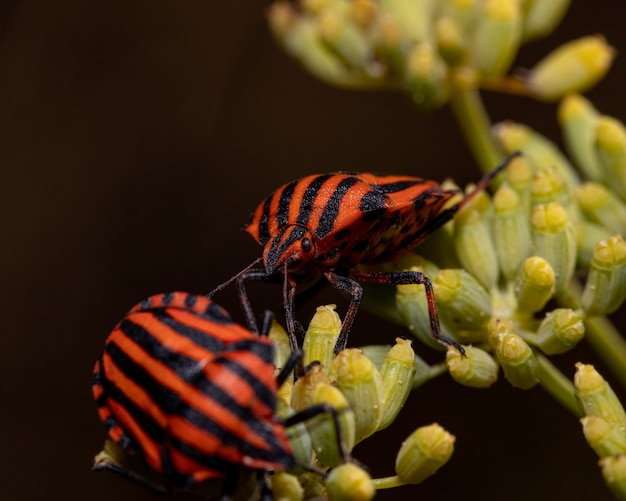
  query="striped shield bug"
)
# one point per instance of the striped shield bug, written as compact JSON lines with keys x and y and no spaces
{"x":332,"y":223}
{"x":193,"y":394}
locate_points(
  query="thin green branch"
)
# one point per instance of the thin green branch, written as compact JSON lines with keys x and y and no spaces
{"x":557,"y":385}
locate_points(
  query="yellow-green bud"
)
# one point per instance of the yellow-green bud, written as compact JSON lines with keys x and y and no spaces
{"x":610,"y":136}
{"x":397,"y":373}
{"x":313,"y":485}
{"x":297,"y":435}
{"x":425,"y":451}
{"x":575,"y":66}
{"x":541,"y":17}
{"x":476,"y":369}
{"x":535,"y":284}
{"x":511,"y":233}
{"x":463,"y":299}
{"x":587,"y":236}
{"x":578,"y":118}
{"x":553,"y":239}
{"x":285,"y":487}
{"x":560,"y":331}
{"x":321,"y":336}
{"x":450,"y":41}
{"x":614,"y":474}
{"x":349,"y":482}
{"x":596,"y":397}
{"x":605,"y":288}
{"x":497,"y":36}
{"x":602,"y":206}
{"x":519,"y":175}
{"x":604,"y":438}
{"x":304,"y":387}
{"x":364,"y":13}
{"x":414,"y":17}
{"x":360,"y":382}
{"x":425,"y":76}
{"x":282,"y":349}
{"x":548,"y":186}
{"x":518,"y":361}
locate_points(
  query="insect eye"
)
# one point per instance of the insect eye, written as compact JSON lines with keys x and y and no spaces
{"x":306,"y":245}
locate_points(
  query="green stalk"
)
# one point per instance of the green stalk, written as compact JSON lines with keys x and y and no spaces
{"x":387,"y":482}
{"x":476,"y":127}
{"x":556,"y":384}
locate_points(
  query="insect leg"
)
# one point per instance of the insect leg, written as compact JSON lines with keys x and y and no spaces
{"x":356,"y":291}
{"x":411,"y":277}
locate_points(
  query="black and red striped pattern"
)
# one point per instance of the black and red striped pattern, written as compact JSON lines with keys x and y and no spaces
{"x":191,"y":392}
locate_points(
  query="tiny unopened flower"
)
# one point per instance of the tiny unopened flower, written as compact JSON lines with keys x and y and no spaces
{"x":282,"y":349}
{"x":285,"y":487}
{"x":575,"y":66}
{"x":596,"y":397}
{"x":425,"y":76}
{"x":349,"y":482}
{"x":548,"y":186}
{"x":321,"y":336}
{"x":600,"y":205}
{"x":605,"y":288}
{"x":534,"y":285}
{"x":397,"y":372}
{"x":425,"y":451}
{"x":610,"y":143}
{"x":497,"y":36}
{"x":541,"y":17}
{"x":511,"y":232}
{"x":304,"y":388}
{"x":519,"y":175}
{"x":518,"y":361}
{"x":476,"y":369}
{"x":415,"y":19}
{"x":451,"y":43}
{"x":359,"y":380}
{"x":553,"y":239}
{"x":603,"y":437}
{"x":588,"y":234}
{"x":560,"y":331}
{"x":614,"y":474}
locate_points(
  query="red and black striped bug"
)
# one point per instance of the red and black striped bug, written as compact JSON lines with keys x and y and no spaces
{"x":193,"y":394}
{"x":334,"y":222}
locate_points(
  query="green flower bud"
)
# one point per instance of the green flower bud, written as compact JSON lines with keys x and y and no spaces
{"x":286,"y":487}
{"x":587,"y":236}
{"x":474,"y":246}
{"x":414,"y":17}
{"x":364,"y":13}
{"x":578,"y":118}
{"x":360,"y":382}
{"x":614,"y":474}
{"x":548,"y":187}
{"x":321,"y":336}
{"x":610,"y":136}
{"x":304,"y":387}
{"x":519,"y":175}
{"x":349,"y":482}
{"x":596,"y":398}
{"x":553,"y":239}
{"x":575,"y":66}
{"x":451,"y":44}
{"x":425,"y":451}
{"x":297,"y":435}
{"x":511,"y":233}
{"x":462,"y":298}
{"x":540,"y":152}
{"x":518,"y":361}
{"x":541,"y":17}
{"x":425,"y":76}
{"x":497,"y":36}
{"x":535,"y":285}
{"x":602,"y":206}
{"x":397,"y":373}
{"x":605,"y":288}
{"x":476,"y":369}
{"x":560,"y":331}
{"x":604,"y":438}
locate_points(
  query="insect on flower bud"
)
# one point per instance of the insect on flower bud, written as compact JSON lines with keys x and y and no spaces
{"x":518,"y":361}
{"x":425,"y":451}
{"x":541,"y":17}
{"x":575,"y":66}
{"x":535,"y":284}
{"x":596,"y":397}
{"x":321,"y":336}
{"x":560,"y":331}
{"x":610,"y":136}
{"x":553,"y":239}
{"x":349,"y":482}
{"x":476,"y":369}
{"x":614,"y":474}
{"x":604,"y":438}
{"x":602,"y":206}
{"x":397,"y":373}
{"x":359,"y":380}
{"x":605,"y":288}
{"x":286,"y":487}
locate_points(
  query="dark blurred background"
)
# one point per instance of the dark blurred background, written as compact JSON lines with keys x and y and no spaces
{"x":135,"y":138}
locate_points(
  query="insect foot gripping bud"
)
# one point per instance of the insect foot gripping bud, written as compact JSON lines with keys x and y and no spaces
{"x":477,"y":368}
{"x":576,"y":66}
{"x":614,"y":474}
{"x":425,"y":451}
{"x":603,"y":437}
{"x":534,"y":285}
{"x":605,"y":288}
{"x":359,"y":380}
{"x":596,"y":398}
{"x":349,"y":482}
{"x":321,"y":336}
{"x":397,"y":373}
{"x":560,"y":331}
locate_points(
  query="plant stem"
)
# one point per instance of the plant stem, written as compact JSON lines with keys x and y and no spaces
{"x":557,"y":385}
{"x":476,"y":127}
{"x":387,"y":482}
